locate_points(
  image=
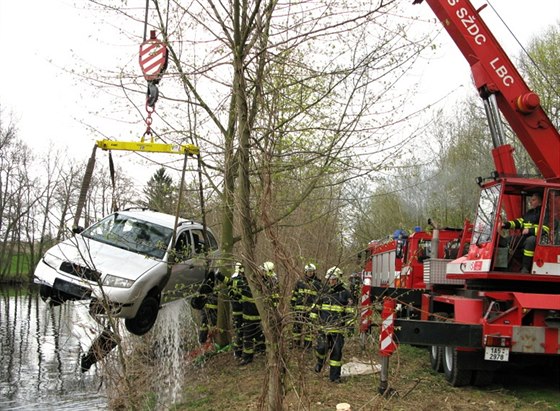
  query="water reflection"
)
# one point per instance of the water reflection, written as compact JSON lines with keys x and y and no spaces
{"x":40,"y":349}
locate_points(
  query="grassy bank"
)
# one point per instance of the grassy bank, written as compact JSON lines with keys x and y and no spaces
{"x":220,"y":384}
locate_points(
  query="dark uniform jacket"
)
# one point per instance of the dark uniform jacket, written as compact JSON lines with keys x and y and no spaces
{"x":305,"y":293}
{"x":334,"y":309}
{"x":529,"y":220}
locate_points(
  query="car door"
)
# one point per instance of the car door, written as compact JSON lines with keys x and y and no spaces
{"x":188,"y":269}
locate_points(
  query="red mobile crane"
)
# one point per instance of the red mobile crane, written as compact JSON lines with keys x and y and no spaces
{"x":496,"y":314}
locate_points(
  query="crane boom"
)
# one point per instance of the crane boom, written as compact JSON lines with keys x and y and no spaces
{"x":495,"y":75}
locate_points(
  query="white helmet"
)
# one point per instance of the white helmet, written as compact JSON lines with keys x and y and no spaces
{"x":333,"y":273}
{"x":239,"y":269}
{"x":268,"y":266}
{"x":310,"y":268}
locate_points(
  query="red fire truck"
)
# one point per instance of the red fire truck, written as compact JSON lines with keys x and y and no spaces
{"x":497,"y":313}
{"x":396,"y":266}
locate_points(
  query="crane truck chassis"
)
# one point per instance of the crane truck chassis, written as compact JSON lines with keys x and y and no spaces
{"x":494,"y":314}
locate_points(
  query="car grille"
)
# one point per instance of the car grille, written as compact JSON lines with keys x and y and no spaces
{"x":80,"y":271}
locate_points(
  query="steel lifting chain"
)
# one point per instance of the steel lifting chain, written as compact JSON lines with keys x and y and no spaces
{"x":151,"y":99}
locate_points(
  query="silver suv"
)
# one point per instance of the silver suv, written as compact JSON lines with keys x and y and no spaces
{"x":128,"y":265}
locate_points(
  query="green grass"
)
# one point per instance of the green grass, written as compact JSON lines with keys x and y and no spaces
{"x":19,"y":269}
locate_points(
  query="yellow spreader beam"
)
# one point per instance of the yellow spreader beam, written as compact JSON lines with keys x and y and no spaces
{"x":189,"y":149}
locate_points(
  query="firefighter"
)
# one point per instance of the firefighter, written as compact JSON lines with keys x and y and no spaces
{"x":529,"y":224}
{"x":235,"y":285}
{"x":334,"y":311}
{"x":209,"y":313}
{"x":252,"y":335}
{"x":305,"y":293}
{"x":271,"y":282}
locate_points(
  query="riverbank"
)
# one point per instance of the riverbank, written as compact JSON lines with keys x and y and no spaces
{"x":219,"y":383}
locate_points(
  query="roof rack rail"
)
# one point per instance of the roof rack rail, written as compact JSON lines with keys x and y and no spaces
{"x":141,"y":209}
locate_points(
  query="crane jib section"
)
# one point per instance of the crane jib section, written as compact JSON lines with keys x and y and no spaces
{"x":494,"y":73}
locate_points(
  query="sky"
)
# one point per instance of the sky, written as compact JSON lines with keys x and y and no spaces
{"x":40,"y":38}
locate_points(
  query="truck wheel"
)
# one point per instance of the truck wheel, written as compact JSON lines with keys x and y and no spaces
{"x":483,"y":378}
{"x":436,"y":358}
{"x":436,"y":352}
{"x":145,"y":317}
{"x":454,"y":368}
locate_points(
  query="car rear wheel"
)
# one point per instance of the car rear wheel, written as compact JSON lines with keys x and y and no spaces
{"x":145,"y":317}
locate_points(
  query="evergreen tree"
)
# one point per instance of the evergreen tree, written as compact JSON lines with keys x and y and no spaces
{"x":160,"y":192}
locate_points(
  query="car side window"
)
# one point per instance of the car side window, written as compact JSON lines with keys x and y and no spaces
{"x":183,"y":246}
{"x":212,"y":243}
{"x":198,"y":241}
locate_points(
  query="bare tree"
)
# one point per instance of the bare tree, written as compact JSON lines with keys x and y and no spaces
{"x":288,"y":101}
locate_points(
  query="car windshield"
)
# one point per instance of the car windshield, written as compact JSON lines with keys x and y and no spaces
{"x":132,"y":234}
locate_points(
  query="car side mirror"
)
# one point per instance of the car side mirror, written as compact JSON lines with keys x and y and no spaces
{"x":77,"y":229}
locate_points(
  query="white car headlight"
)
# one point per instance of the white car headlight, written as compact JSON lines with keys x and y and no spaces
{"x":52,"y":261}
{"x":119,"y":282}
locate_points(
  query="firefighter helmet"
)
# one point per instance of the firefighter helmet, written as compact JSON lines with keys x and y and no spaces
{"x":239,"y":268}
{"x":268,"y":267}
{"x":333,"y":273}
{"x":310,"y":268}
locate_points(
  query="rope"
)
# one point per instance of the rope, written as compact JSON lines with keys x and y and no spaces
{"x":202,"y":210}
{"x":112,"y":173}
{"x":85,"y":187}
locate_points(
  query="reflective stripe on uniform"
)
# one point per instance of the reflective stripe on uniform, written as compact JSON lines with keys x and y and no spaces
{"x":334,"y":308}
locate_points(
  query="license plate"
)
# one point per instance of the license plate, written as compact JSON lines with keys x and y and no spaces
{"x":71,"y":289}
{"x":496,"y":354}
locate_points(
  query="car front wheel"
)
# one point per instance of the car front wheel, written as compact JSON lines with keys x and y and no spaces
{"x":145,"y":317}
{"x":50,"y":296}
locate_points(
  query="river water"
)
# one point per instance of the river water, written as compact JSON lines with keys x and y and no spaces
{"x":41,"y":347}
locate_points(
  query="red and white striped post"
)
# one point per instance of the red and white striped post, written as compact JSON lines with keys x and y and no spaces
{"x":365,"y":303}
{"x":386,"y":343}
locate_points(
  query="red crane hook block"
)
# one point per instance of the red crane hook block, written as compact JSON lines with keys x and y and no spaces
{"x":153,"y":58}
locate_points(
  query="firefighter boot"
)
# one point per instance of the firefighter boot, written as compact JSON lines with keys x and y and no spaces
{"x":246,"y":360}
{"x":526,"y":264}
{"x":319,"y":366}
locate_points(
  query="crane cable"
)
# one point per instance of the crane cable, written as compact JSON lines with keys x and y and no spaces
{"x":544,"y":76}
